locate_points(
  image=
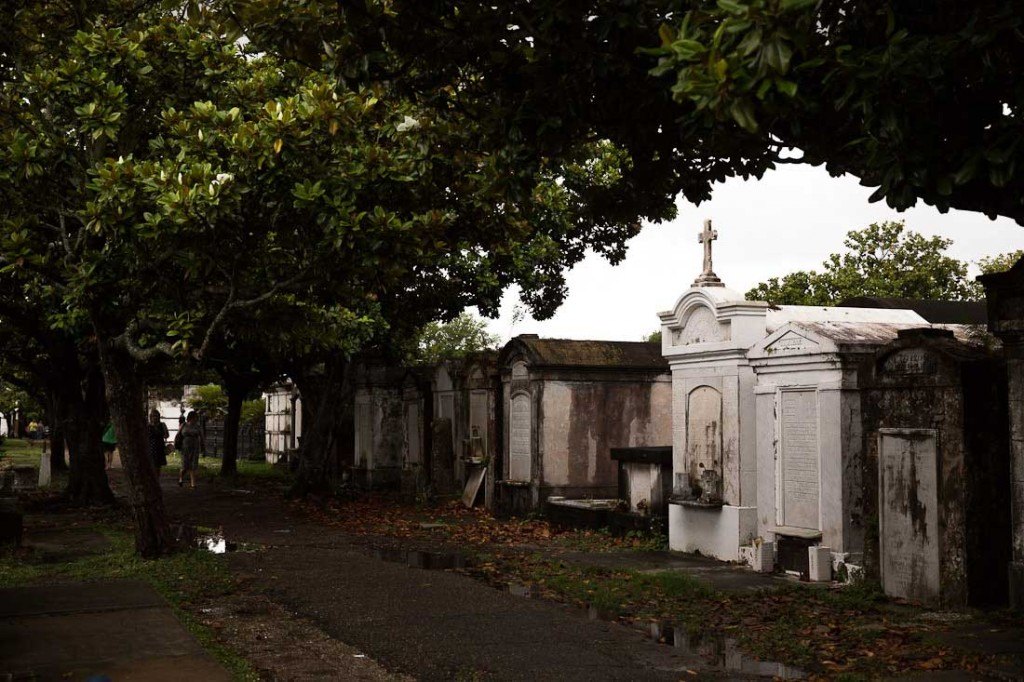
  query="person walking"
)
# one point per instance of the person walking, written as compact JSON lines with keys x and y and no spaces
{"x":192,"y":443}
{"x":158,"y":435}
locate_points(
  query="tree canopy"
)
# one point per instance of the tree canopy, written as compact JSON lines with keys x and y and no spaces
{"x":924,"y":101}
{"x":466,"y":334}
{"x":883,"y":260}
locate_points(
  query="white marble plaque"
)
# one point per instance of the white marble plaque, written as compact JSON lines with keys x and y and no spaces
{"x":703,"y":432}
{"x":799,"y":471}
{"x":520,"y":437}
{"x":908,"y":513}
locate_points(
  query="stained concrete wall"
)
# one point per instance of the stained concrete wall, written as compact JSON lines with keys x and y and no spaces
{"x":576,"y":417}
{"x":582,"y":420}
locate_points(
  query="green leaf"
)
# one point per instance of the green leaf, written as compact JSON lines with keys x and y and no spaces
{"x":792,"y":5}
{"x":732,"y":6}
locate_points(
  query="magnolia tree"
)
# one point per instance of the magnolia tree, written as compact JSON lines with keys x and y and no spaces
{"x":169,"y":187}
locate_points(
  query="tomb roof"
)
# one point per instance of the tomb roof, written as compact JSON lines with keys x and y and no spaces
{"x":812,"y":338}
{"x":577,"y":353}
{"x":932,"y":310}
{"x":878,"y":333}
{"x":780,"y":315}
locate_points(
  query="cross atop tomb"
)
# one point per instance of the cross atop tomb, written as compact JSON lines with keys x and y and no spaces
{"x":707,"y":277}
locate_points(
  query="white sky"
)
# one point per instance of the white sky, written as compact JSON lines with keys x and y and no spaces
{"x":792,"y":219}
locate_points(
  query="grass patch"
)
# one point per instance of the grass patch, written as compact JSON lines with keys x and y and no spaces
{"x":186,"y":579}
{"x":852,"y":631}
{"x":20,"y":452}
{"x":248,"y":470}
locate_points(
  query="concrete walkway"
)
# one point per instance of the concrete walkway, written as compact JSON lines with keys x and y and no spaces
{"x":123,"y":630}
{"x":430,"y":624}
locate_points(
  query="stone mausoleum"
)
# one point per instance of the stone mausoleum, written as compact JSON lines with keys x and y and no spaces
{"x":765,"y":424}
{"x":566,"y":404}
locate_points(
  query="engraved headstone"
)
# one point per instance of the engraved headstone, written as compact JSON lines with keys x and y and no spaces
{"x":520,"y":437}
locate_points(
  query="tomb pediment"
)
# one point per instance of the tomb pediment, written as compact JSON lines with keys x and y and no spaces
{"x":792,"y":342}
{"x":701,"y":326}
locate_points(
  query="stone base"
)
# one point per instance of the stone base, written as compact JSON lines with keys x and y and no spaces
{"x":819,"y":560}
{"x":717,"y":532}
{"x":1017,"y":585}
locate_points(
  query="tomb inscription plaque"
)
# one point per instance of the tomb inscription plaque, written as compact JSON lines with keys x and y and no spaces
{"x":519,"y":438}
{"x":799,"y":463}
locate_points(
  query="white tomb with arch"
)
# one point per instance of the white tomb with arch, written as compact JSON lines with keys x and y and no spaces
{"x":720,"y":506}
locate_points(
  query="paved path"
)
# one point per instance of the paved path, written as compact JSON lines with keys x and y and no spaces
{"x":122,"y":630}
{"x":431,"y":624}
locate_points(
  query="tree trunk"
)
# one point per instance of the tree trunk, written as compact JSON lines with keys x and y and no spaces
{"x":127,"y":402}
{"x":87,"y":479}
{"x":57,"y":418}
{"x":321,"y":412}
{"x":236,"y":396}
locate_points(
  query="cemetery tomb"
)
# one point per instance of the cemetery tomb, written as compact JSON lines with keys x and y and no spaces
{"x":1004,"y":293}
{"x":566,"y":404}
{"x":282,"y":422}
{"x":383,"y":397}
{"x":935,"y":468}
{"x":809,"y":437}
{"x":465,"y":407}
{"x":717,"y":486}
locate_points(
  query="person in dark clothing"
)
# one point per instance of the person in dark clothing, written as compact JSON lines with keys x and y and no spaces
{"x":158,"y":435}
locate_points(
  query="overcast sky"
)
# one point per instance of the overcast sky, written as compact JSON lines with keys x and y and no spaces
{"x":792,"y":219}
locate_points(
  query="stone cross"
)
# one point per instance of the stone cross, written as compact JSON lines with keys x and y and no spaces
{"x":707,"y":277}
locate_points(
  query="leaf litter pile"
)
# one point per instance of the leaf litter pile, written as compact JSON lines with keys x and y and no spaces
{"x":850,"y":632}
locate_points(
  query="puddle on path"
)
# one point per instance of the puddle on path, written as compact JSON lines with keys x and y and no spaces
{"x":216,"y":543}
{"x":431,"y":561}
{"x":722,"y":652}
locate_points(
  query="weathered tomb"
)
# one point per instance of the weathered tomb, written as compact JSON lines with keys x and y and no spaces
{"x":705,"y":339}
{"x":1005,"y":297}
{"x":465,"y":422}
{"x":282,"y":421}
{"x":809,"y":439}
{"x":936,"y":468}
{"x":388,"y":430}
{"x":566,"y":404}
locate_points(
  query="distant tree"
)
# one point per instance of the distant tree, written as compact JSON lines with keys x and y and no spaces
{"x":882,"y":260}
{"x":439,"y":341}
{"x":653,"y":337}
{"x":1000,"y":263}
{"x":210,"y":399}
{"x":252,"y":411}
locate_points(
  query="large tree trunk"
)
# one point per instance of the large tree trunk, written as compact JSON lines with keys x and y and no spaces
{"x":127,"y":402}
{"x":236,"y":392}
{"x":87,"y":479}
{"x":322,"y":402}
